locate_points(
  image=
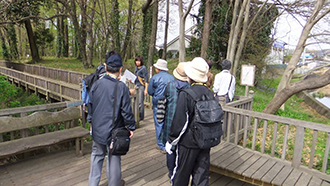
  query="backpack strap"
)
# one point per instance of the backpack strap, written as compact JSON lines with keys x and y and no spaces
{"x":191,"y":93}
{"x":114,"y":104}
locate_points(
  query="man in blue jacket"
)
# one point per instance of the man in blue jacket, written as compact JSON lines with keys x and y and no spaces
{"x":156,"y":89}
{"x":101,"y":105}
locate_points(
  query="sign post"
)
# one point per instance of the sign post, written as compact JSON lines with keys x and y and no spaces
{"x":247,"y":77}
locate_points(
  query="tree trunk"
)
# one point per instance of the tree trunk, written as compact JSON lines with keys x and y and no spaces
{"x":33,"y":45}
{"x":206,"y":27}
{"x":236,"y":32}
{"x":128,"y":31}
{"x":166,"y":28}
{"x":91,"y":36}
{"x":284,"y":85}
{"x":146,"y":29}
{"x":152,"y":41}
{"x":311,"y":21}
{"x":242,"y":38}
{"x":13,"y":41}
{"x":115,"y":25}
{"x":293,"y":88}
{"x":20,"y":49}
{"x":183,"y":16}
{"x":66,"y":40}
{"x":232,"y":28}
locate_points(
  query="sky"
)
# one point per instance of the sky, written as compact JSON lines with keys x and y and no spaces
{"x":287,"y":28}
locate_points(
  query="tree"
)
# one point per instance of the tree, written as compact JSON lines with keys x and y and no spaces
{"x":80,"y":32}
{"x":286,"y":89}
{"x":182,"y":17}
{"x":206,"y":27}
{"x":128,"y":30}
{"x":242,"y":24}
{"x":153,"y":35}
{"x":146,"y":29}
{"x":166,"y":28}
{"x":19,"y":11}
{"x":13,"y":42}
{"x":115,"y":25}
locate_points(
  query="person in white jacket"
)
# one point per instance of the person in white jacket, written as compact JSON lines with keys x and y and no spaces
{"x":224,"y":83}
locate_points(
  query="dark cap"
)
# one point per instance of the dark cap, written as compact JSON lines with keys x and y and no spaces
{"x":114,"y":61}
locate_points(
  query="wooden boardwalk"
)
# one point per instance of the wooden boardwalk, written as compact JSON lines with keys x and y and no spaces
{"x":234,"y":161}
{"x":143,"y":165}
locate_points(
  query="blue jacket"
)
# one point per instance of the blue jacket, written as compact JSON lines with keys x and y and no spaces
{"x":100,"y":109}
{"x":157,"y":86}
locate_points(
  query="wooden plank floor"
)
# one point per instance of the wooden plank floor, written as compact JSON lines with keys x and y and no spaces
{"x":237,"y":162}
{"x":143,"y":165}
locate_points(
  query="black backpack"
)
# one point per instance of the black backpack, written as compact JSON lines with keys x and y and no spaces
{"x":91,"y":78}
{"x":206,"y":124}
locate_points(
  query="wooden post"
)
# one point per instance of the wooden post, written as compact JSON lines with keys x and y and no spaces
{"x":246,"y":90}
{"x":326,"y":154}
{"x":254,"y":133}
{"x":298,"y":146}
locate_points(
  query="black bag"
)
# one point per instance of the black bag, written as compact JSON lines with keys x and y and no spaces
{"x":206,"y":124}
{"x":161,"y":108}
{"x":120,"y":141}
{"x":119,"y":144}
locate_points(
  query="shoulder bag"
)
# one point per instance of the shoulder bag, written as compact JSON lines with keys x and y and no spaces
{"x":120,"y":140}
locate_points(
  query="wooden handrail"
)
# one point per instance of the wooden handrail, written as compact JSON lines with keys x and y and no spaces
{"x":287,"y":129}
{"x":12,"y":111}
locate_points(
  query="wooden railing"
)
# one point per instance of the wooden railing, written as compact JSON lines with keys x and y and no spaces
{"x":242,"y":103}
{"x":25,"y":111}
{"x":304,"y":144}
{"x":50,"y":88}
{"x":52,"y":73}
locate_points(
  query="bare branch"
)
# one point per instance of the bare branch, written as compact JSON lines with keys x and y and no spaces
{"x":316,"y":35}
{"x":33,"y":17}
{"x":188,"y":9}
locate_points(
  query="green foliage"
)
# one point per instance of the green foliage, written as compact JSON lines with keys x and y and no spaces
{"x":13,"y":41}
{"x":5,"y":52}
{"x":219,"y":32}
{"x":146,"y":31}
{"x":12,"y":96}
{"x":44,"y":37}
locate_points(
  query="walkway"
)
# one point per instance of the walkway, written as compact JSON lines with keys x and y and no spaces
{"x":143,"y":165}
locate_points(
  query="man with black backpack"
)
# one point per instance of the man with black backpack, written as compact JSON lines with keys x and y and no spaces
{"x":196,"y":127}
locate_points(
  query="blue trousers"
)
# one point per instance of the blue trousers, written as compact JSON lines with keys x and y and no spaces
{"x":158,"y":128}
{"x":113,"y":166}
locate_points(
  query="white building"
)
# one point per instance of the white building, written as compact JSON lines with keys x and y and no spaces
{"x":173,"y":46}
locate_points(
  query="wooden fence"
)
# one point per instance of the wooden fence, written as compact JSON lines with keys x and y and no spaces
{"x":301,"y":143}
{"x":25,"y":111}
{"x":51,"y":73}
{"x":50,"y":88}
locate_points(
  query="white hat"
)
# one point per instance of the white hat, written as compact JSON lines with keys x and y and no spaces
{"x":161,"y":64}
{"x":197,"y":70}
{"x":179,"y":73}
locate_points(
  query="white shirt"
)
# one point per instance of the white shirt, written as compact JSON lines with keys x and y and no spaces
{"x":222,"y":83}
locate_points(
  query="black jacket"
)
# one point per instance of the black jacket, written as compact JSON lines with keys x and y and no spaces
{"x":100,"y":108}
{"x":180,"y":130}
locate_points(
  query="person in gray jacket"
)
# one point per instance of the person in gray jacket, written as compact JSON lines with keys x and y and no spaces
{"x":101,"y":111}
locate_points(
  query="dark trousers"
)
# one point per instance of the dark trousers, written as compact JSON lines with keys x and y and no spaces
{"x":170,"y":162}
{"x":194,"y":162}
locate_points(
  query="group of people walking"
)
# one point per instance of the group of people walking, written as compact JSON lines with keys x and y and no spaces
{"x":184,"y":158}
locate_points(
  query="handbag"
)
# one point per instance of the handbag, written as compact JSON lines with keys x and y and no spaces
{"x":161,"y":108}
{"x":119,"y":144}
